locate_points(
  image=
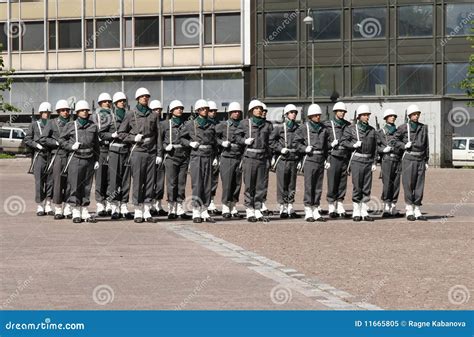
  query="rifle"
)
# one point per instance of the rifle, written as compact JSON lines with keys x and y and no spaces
{"x":64,"y":172}
{"x":274,"y":161}
{"x":354,"y":122}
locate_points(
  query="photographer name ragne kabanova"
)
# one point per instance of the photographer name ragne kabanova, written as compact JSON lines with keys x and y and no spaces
{"x":436,"y":324}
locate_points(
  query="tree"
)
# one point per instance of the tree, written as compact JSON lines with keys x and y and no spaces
{"x":468,"y":83}
{"x":5,"y":85}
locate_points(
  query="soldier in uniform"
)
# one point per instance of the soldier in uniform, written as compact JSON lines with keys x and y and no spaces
{"x":51,"y":137}
{"x":212,"y":118}
{"x":391,"y":155}
{"x":43,"y":180}
{"x":119,"y":173}
{"x":362,"y":139}
{"x":338,"y":160}
{"x":413,"y":138}
{"x":265,"y":211}
{"x":81,"y":138}
{"x":199,"y":134}
{"x":312,"y":141}
{"x":140,"y":129}
{"x":103,"y":118}
{"x":157,"y":208}
{"x":284,"y":145}
{"x":254,"y":133}
{"x":231,"y":156}
{"x":176,"y":158}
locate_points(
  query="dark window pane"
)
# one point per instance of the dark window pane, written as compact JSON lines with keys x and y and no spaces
{"x":167,"y":31}
{"x":147,"y":32}
{"x":280,"y":26}
{"x":52,"y":35}
{"x":33,"y":36}
{"x":186,"y":30}
{"x":326,"y":81}
{"x":227,"y":28}
{"x":208,"y":29}
{"x":471,"y":144}
{"x":458,"y":19}
{"x":16,"y":30}
{"x":455,"y":73}
{"x":107,"y":33}
{"x":415,"y":79}
{"x":3,"y":35}
{"x":281,"y":82}
{"x":415,"y":21}
{"x":128,"y":32}
{"x":459,"y":144}
{"x":368,"y":23}
{"x":69,"y":34}
{"x":369,"y":80}
{"x":327,"y":25}
{"x":90,"y":37}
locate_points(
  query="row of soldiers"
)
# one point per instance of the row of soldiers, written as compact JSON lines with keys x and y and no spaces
{"x":138,"y":150}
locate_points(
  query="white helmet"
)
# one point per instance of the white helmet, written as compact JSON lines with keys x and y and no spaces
{"x":212,"y":105}
{"x":363,"y":109}
{"x":61,"y":104}
{"x":45,"y":107}
{"x":389,"y":112}
{"x":339,"y":106}
{"x":155,"y":104}
{"x":412,"y":108}
{"x":176,"y":104}
{"x":141,"y":92}
{"x":254,"y":103}
{"x":118,"y":96}
{"x":82,"y":105}
{"x":234,"y":106}
{"x":314,"y":109}
{"x":289,"y":107}
{"x":104,"y":97}
{"x":200,"y":103}
{"x":264,"y":106}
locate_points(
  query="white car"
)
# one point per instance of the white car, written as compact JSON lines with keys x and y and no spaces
{"x":11,"y":140}
{"x":463,"y":151}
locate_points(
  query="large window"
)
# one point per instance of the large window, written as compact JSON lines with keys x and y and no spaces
{"x":368,"y":23}
{"x":326,"y":81}
{"x":280,"y":26}
{"x":52,"y":35}
{"x":3,"y":35}
{"x":227,"y":28}
{"x":69,"y":33}
{"x":33,"y":36}
{"x":455,"y":73}
{"x":415,"y":79}
{"x":107,"y":33}
{"x":415,"y":21}
{"x":186,"y":30}
{"x":458,"y":18}
{"x":281,"y":82}
{"x":147,"y":32}
{"x":369,"y":80}
{"x":327,"y":25}
{"x":128,"y":31}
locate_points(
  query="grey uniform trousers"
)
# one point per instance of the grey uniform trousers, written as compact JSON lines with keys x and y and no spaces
{"x":201,"y":172}
{"x":60,"y":185}
{"x":413,"y":179}
{"x":391,"y":171}
{"x":143,"y":176}
{"x":101,"y":177}
{"x":255,"y":171}
{"x":337,"y":178}
{"x":286,"y":174}
{"x":43,"y":179}
{"x":361,"y":181}
{"x":79,"y":178}
{"x":119,"y":177}
{"x":231,"y":176}
{"x":313,"y":183}
{"x":176,"y":171}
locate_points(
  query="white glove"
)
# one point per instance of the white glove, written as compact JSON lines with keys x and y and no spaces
{"x":357,"y":144}
{"x":57,"y":143}
{"x":138,"y":138}
{"x":408,"y":145}
{"x":115,"y":134}
{"x":158,"y":160}
{"x":327,"y":165}
{"x":194,"y":145}
{"x":39,"y":146}
{"x":249,"y":141}
{"x":75,"y":146}
{"x":426,"y":167}
{"x":308,"y":149}
{"x":334,"y":143}
{"x":298,"y":167}
{"x":284,"y":150}
{"x":225,"y":143}
{"x":169,"y":147}
{"x":374,"y":167}
{"x":96,"y":165}
{"x":215,"y":162}
{"x":387,"y":149}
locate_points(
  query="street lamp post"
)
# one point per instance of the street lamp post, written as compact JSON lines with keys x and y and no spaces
{"x":308,"y":20}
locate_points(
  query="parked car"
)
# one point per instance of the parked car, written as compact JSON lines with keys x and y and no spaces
{"x":463,"y":151}
{"x":11,"y":140}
